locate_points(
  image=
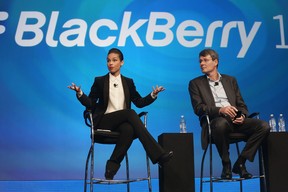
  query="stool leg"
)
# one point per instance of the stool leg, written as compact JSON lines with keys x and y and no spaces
{"x":202,"y":170}
{"x":91,"y":153}
{"x":148,"y":174}
{"x":90,"y":157}
{"x":262,"y":170}
{"x":211,"y":167}
{"x":86,"y":170}
{"x":147,"y":158}
{"x":127,"y":173}
{"x":238,"y":152}
{"x":92,"y":168}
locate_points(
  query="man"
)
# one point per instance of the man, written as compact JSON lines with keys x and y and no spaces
{"x":219,"y":96}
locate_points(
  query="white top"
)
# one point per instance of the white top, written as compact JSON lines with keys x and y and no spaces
{"x":218,"y":92}
{"x":116,"y":94}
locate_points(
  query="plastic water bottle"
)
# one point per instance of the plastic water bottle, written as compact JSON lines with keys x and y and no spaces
{"x":272,"y":123}
{"x":281,"y":123}
{"x":183,"y":125}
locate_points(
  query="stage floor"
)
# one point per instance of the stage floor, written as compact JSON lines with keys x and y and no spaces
{"x":77,"y":186}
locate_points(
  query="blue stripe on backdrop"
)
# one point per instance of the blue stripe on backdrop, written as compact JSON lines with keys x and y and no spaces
{"x":77,"y":186}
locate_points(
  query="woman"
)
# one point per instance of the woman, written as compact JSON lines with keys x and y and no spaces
{"x":110,"y":100}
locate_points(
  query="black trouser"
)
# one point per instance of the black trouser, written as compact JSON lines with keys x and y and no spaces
{"x":130,"y":126}
{"x":256,"y":129}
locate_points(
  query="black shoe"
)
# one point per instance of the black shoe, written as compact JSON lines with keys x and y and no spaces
{"x":226,"y":172}
{"x":111,"y":169}
{"x":241,"y":170}
{"x":109,"y":175}
{"x":165,"y":158}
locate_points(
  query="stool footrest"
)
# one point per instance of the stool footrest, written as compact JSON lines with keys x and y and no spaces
{"x":234,"y":179}
{"x":116,"y":181}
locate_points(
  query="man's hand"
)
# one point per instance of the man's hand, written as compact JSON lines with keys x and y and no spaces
{"x":228,"y":111}
{"x":239,"y":120}
{"x":231,"y":111}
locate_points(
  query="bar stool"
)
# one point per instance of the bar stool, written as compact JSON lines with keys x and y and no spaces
{"x":102,"y":136}
{"x":235,"y":138}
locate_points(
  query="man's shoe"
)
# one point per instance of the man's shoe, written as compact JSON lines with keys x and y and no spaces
{"x":241,"y":170}
{"x":165,"y":158}
{"x":226,"y":172}
{"x":111,"y":169}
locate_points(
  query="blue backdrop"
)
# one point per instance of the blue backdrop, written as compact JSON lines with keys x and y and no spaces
{"x":46,"y":45}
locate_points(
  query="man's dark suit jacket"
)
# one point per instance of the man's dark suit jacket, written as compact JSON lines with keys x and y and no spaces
{"x":203,"y":102}
{"x":97,"y":101}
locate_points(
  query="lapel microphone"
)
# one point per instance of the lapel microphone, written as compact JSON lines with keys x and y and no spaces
{"x":216,"y":83}
{"x":115,"y":85}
